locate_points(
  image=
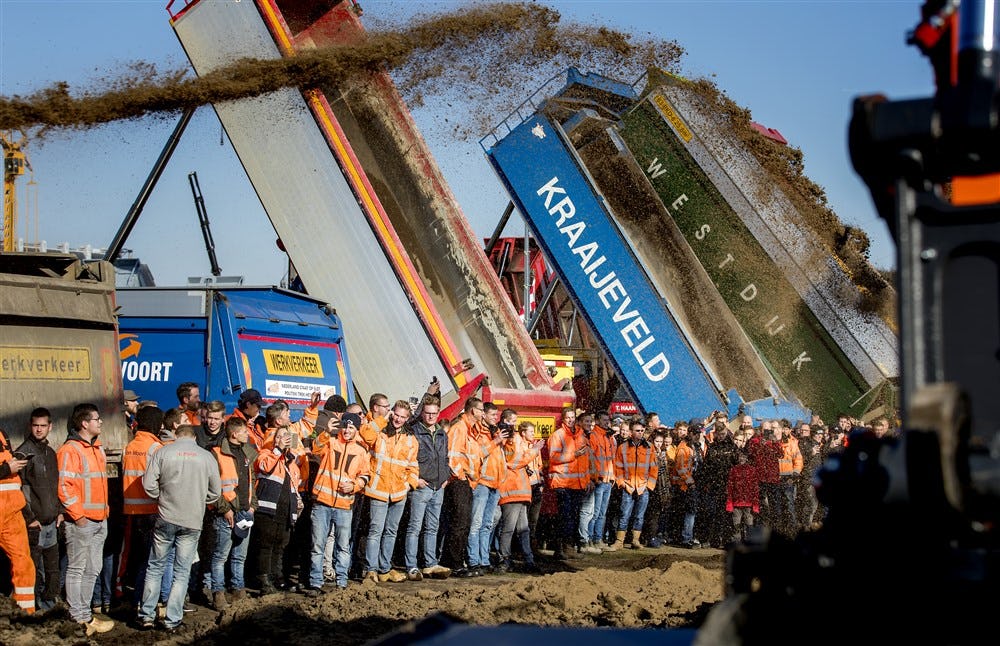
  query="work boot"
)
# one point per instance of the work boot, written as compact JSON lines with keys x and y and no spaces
{"x":97,"y":625}
{"x":219,"y":601}
{"x":635,"y":544}
{"x":591,"y":548}
{"x":266,"y":587}
{"x":569,"y":550}
{"x":370,"y":575}
{"x":239,"y":594}
{"x":619,"y":542}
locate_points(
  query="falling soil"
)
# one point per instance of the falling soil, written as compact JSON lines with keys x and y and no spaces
{"x":656,"y":589}
{"x":499,"y":46}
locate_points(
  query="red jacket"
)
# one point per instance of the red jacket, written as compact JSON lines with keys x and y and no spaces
{"x":742,"y":488}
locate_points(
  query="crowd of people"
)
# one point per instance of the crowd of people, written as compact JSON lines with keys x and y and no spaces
{"x":216,"y":503}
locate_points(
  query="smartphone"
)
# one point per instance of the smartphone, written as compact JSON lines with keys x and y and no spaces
{"x":18,"y":455}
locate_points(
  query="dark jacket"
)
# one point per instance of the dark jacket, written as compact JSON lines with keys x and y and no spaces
{"x":432,"y":454}
{"x":41,"y":482}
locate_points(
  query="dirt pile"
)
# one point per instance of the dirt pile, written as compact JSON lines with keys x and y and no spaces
{"x":496,"y":46}
{"x":666,"y":588}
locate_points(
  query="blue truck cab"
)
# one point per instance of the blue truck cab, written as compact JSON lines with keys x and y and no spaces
{"x":284,"y":344}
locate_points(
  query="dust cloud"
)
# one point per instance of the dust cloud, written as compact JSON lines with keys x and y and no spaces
{"x":478,"y":51}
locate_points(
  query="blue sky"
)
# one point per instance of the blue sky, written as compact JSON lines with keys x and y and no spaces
{"x":796,"y":65}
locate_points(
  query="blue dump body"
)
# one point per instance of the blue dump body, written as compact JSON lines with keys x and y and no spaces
{"x":284,"y":344}
{"x":641,"y":339}
{"x":649,"y":349}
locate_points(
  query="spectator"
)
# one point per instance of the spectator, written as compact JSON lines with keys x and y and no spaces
{"x":248,"y":408}
{"x":463,"y":461}
{"x":635,"y":474}
{"x":486,"y":494}
{"x":684,"y":492}
{"x":594,"y":510}
{"x":515,"y":496}
{"x":211,"y":433}
{"x":42,"y":511}
{"x":13,"y":533}
{"x":742,"y":496}
{"x":83,"y":492}
{"x":719,"y":459}
{"x":278,"y":505}
{"x":189,"y":401}
{"x":427,"y":497}
{"x":182,"y":477}
{"x":394,"y":471}
{"x":569,"y":470}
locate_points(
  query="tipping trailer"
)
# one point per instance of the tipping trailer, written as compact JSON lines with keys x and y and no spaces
{"x":793,"y":299}
{"x":58,"y":345}
{"x":625,"y":301}
{"x":365,"y":215}
{"x":227,"y":340}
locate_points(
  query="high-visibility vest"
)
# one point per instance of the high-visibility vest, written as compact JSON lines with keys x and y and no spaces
{"x":635,"y":467}
{"x":134,"y":463}
{"x":83,"y":481}
{"x":492,"y":465}
{"x":516,"y":484}
{"x":463,"y":453}
{"x":602,"y":452}
{"x":230,"y":476}
{"x":790,"y":462}
{"x":683,"y":472}
{"x":340,"y":461}
{"x":566,"y":469}
{"x":11,"y":496}
{"x":394,"y":468}
{"x":271,"y":470}
{"x":254,"y":433}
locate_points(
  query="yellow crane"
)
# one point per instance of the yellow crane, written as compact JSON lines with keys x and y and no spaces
{"x":14,"y":163}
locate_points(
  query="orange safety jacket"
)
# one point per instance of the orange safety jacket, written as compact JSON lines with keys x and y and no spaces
{"x":394,"y":469}
{"x":340,"y":461}
{"x":135,"y":460}
{"x":682,"y":474}
{"x":790,"y":462}
{"x":566,"y":469}
{"x":229,"y":474}
{"x":516,"y":484}
{"x":492,"y":465}
{"x":370,"y":428}
{"x":300,"y":430}
{"x":270,"y":470}
{"x":602,"y":451}
{"x":83,"y":479}
{"x":635,"y":467}
{"x":13,"y":533}
{"x":193,"y":419}
{"x":463,"y":453}
{"x":11,"y":496}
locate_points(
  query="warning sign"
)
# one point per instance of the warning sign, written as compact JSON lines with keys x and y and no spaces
{"x":276,"y":389}
{"x":23,"y":363}
{"x":294,"y":364}
{"x":544,"y":426}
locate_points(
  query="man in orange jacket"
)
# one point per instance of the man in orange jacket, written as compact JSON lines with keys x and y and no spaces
{"x":83,"y":491}
{"x":635,"y":474}
{"x":13,"y":531}
{"x":569,"y":470}
{"x":343,"y":472}
{"x":394,"y":472}
{"x":139,"y":509}
{"x":463,"y":461}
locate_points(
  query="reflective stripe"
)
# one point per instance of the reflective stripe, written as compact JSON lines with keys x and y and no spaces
{"x":10,"y":486}
{"x":30,"y":591}
{"x":138,"y":501}
{"x":266,"y":504}
{"x":26,"y":604}
{"x":71,"y":501}
{"x":133,"y":472}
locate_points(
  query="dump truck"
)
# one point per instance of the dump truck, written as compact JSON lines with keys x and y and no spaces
{"x":366,"y":216}
{"x":227,"y":340}
{"x":659,"y":339}
{"x":59,"y":345}
{"x":745,"y":304}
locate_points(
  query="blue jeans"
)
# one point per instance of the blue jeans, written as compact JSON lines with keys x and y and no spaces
{"x":425,"y":513}
{"x":382,"y":529}
{"x":484,"y":503}
{"x":635,"y":501}
{"x":569,"y":502}
{"x":324,"y":520}
{"x":184,"y":541}
{"x":228,"y":546}
{"x":602,"y":495}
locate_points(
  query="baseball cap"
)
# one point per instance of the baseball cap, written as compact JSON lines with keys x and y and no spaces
{"x":617,"y":419}
{"x":251,"y":396}
{"x":695,"y":427}
{"x":350,"y":419}
{"x":130,"y":396}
